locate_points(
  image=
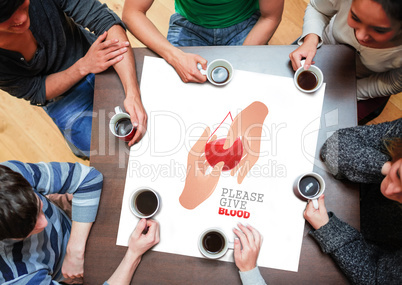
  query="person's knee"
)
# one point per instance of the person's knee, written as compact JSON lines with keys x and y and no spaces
{"x":78,"y":134}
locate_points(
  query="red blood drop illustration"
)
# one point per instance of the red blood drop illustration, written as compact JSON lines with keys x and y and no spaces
{"x":215,"y":153}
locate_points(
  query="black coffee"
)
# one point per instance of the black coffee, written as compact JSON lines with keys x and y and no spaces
{"x":146,"y":203}
{"x":123,"y":127}
{"x":309,"y":186}
{"x":213,"y":242}
{"x":219,"y":74}
{"x":307,"y":80}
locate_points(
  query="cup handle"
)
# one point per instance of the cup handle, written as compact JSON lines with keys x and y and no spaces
{"x":117,"y":109}
{"x":230,"y":245}
{"x":203,"y":71}
{"x":315,"y":203}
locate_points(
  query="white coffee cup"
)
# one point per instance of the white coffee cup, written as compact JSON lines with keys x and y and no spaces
{"x":219,"y":72}
{"x":144,"y":202}
{"x":310,"y":186}
{"x":213,"y":243}
{"x":116,"y":119}
{"x":309,"y":80}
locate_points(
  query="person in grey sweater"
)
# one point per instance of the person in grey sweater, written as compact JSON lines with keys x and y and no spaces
{"x":371,"y":155}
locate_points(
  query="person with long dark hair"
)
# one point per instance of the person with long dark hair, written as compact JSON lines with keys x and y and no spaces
{"x":373,"y":29}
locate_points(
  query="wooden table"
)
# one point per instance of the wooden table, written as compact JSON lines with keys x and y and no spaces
{"x":110,"y":156}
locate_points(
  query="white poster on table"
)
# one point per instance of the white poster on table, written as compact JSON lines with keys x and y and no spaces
{"x":281,"y":145}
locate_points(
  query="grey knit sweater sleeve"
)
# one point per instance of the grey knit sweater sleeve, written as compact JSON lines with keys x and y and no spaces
{"x":361,"y":262}
{"x":357,"y":153}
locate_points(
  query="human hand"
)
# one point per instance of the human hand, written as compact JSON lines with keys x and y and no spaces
{"x":73,"y":262}
{"x":102,"y":54}
{"x":73,"y":265}
{"x":185,"y":65}
{"x":248,"y":125}
{"x":199,"y":185}
{"x":307,"y":50}
{"x":139,"y":118}
{"x":246,"y":249}
{"x":144,"y":236}
{"x":316,"y":217}
{"x":139,"y":242}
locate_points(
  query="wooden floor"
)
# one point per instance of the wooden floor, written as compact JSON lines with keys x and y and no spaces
{"x":28,"y":134}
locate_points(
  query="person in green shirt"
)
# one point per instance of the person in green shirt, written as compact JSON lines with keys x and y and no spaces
{"x":203,"y":23}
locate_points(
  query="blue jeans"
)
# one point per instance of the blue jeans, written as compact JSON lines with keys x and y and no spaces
{"x":72,"y":113}
{"x":184,"y":33}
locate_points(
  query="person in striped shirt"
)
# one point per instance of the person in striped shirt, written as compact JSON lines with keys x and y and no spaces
{"x":39,"y":244}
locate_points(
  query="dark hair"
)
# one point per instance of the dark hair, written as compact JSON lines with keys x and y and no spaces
{"x":19,"y":205}
{"x":8,"y":7}
{"x":393,"y":8}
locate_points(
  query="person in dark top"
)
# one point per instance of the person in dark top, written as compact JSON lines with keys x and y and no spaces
{"x":371,"y":155}
{"x":49,"y":53}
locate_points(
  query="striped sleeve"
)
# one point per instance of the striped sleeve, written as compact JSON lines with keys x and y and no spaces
{"x":85,"y":183}
{"x":41,"y":277}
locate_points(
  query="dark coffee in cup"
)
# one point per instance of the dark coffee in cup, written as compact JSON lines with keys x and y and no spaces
{"x":120,"y":125}
{"x":219,"y":74}
{"x":123,"y":127}
{"x":213,"y":242}
{"x":309,"y":186}
{"x":307,"y":80}
{"x":146,"y":203}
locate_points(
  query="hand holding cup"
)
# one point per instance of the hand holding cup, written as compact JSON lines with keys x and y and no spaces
{"x":219,"y":72}
{"x":139,"y":242}
{"x":316,"y":217}
{"x":308,"y":80}
{"x":247,"y":247}
{"x":120,"y":125}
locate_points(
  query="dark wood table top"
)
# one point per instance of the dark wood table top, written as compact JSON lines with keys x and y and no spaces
{"x":110,"y":156}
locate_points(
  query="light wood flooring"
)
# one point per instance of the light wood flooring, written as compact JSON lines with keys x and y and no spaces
{"x":29,"y":135}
